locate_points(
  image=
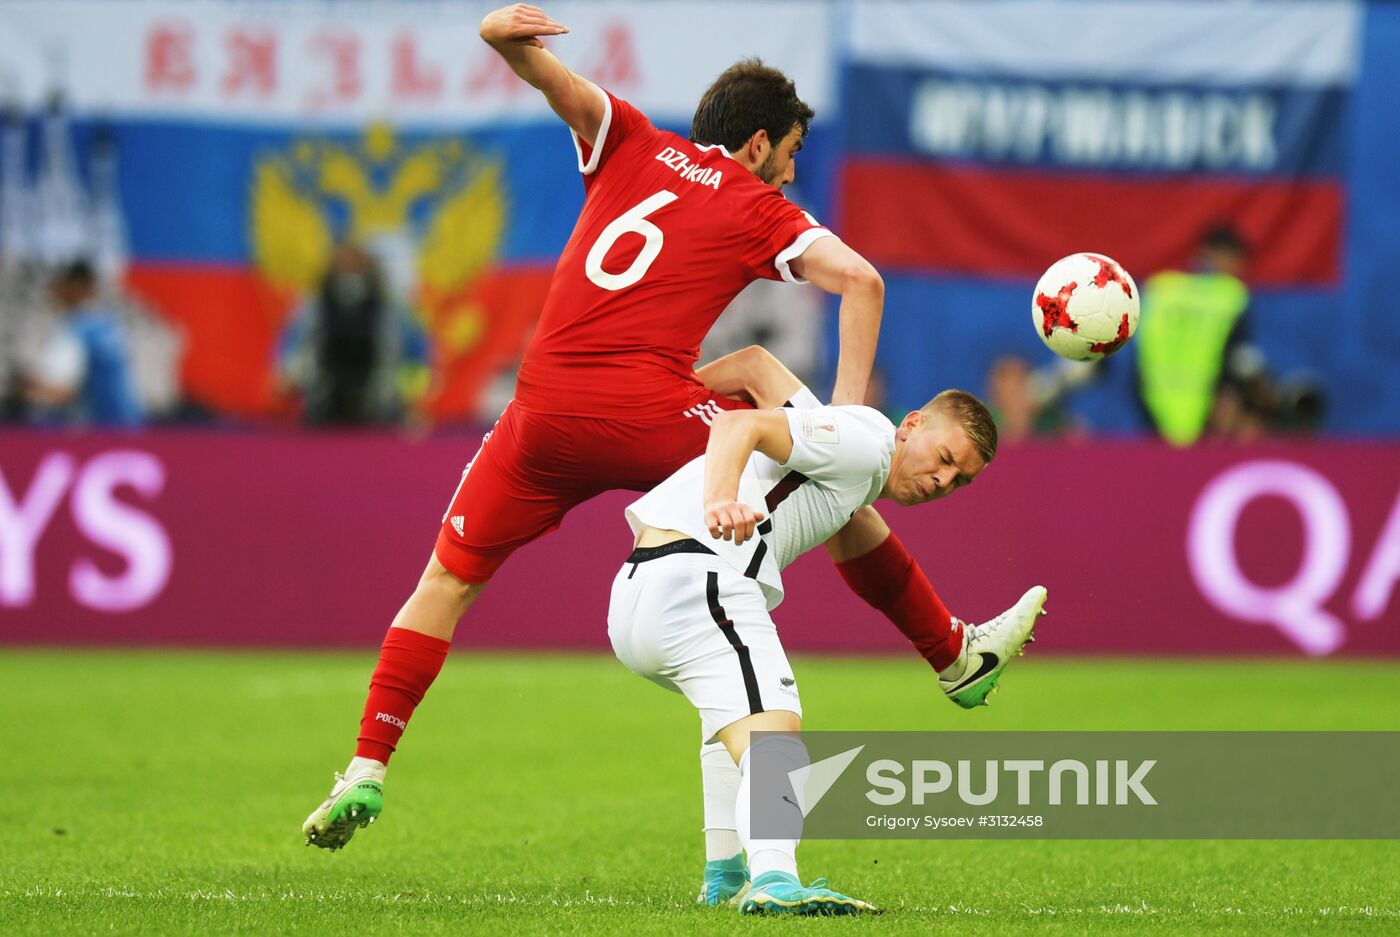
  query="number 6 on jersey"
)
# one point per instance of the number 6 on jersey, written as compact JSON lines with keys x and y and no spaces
{"x":632,"y":221}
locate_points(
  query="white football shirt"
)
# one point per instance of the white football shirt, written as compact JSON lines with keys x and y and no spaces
{"x":840,"y":460}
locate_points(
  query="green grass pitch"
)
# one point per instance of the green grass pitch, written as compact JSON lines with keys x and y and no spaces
{"x":162,"y":793}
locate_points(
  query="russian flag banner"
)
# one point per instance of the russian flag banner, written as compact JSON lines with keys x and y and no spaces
{"x":238,"y":143}
{"x":989,"y":139}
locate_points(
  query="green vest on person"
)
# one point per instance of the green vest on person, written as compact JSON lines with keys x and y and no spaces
{"x":1187,"y":319}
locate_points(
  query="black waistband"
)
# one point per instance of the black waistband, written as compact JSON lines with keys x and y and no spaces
{"x":642,"y":554}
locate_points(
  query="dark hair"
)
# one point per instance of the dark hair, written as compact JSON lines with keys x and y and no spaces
{"x":1223,"y":236}
{"x":973,"y":415}
{"x":747,"y":97}
{"x":79,"y":273}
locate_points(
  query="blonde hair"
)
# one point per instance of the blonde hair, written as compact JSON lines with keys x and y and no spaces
{"x":974,"y":417}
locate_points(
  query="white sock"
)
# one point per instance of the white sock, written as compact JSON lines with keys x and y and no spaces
{"x":957,"y":668}
{"x":362,"y":767}
{"x":770,"y":855}
{"x":719,"y":782}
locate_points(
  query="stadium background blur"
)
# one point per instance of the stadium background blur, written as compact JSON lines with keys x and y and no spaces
{"x":249,"y":179}
{"x":304,"y":218}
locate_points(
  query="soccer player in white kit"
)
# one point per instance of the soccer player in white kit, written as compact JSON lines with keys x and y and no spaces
{"x":690,"y":608}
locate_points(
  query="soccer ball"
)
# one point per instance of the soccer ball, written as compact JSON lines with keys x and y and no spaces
{"x":1085,"y":307}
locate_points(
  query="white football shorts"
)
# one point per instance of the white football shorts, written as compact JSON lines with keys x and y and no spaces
{"x":695,"y":625}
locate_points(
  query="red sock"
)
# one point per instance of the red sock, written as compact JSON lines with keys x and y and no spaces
{"x":889,"y":580}
{"x":409,"y":662}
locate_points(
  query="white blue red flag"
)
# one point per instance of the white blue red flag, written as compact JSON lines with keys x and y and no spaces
{"x":992,"y":138}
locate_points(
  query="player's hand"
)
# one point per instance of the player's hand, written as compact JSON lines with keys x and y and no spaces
{"x":731,"y":520}
{"x":521,"y":24}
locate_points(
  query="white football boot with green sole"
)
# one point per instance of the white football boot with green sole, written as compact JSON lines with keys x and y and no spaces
{"x":353,"y":803}
{"x":991,"y":646}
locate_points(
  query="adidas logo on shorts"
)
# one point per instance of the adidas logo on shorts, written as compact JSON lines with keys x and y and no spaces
{"x":706,"y":411}
{"x":458,"y":523}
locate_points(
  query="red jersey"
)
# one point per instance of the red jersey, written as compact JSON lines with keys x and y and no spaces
{"x":670,"y":232}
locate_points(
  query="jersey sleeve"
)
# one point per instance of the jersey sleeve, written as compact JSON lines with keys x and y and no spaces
{"x":778,"y":233}
{"x":832,"y":446}
{"x":620,"y":122}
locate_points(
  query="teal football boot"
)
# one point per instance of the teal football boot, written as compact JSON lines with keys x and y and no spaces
{"x":725,"y":881}
{"x":781,"y":893}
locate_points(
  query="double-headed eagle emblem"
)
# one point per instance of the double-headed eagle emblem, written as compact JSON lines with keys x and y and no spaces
{"x":444,"y":201}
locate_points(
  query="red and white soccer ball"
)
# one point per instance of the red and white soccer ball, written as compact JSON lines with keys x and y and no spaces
{"x":1085,"y":307}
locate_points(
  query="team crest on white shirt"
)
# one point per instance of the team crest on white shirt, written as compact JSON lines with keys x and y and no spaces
{"x":820,"y":427}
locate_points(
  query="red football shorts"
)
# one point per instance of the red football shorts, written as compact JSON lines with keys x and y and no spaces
{"x":533,"y":467}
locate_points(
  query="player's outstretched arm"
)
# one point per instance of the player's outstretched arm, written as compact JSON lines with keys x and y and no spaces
{"x":734,"y":437}
{"x":753,"y":374}
{"x":832,"y":265}
{"x":515,"y":32}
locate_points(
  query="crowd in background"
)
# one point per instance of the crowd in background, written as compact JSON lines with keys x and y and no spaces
{"x":76,"y":351}
{"x":1197,"y":375}
{"x":218,"y":220}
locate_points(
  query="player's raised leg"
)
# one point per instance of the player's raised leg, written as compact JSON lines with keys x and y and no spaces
{"x":878,"y":568}
{"x":410,"y":659}
{"x":989,"y":647}
{"x":496,"y":509}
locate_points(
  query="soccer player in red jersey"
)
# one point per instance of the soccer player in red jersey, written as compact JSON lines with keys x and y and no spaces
{"x":607,"y":395}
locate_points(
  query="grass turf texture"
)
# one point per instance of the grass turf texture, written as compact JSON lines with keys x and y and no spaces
{"x":162,"y":793}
